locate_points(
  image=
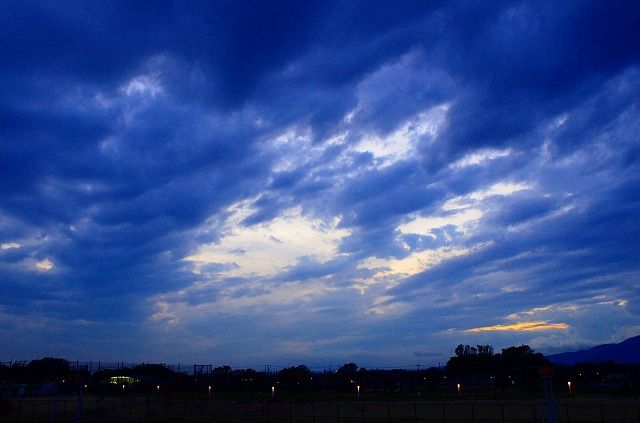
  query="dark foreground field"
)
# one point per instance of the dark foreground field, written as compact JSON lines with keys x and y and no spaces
{"x":141,"y":409}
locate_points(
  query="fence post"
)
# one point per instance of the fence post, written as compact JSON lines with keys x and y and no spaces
{"x":602,"y":414}
{"x":79,"y":405}
{"x":337,"y":412}
{"x":473,"y":415}
{"x":444,"y":412}
{"x":54,"y":410}
{"x":566,"y":409}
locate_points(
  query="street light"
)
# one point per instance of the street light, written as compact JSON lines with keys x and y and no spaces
{"x":358,"y":388}
{"x":273,"y":392}
{"x":458,"y":386}
{"x":209,"y":391}
{"x":569,"y":385}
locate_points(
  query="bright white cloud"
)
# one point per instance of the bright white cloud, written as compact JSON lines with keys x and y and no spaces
{"x":402,"y":143}
{"x":294,"y":147}
{"x":500,"y":189}
{"x":481,"y":157}
{"x":463,"y":221}
{"x":142,"y":85}
{"x":473,"y":199}
{"x":44,"y":265}
{"x":415,"y":263}
{"x":554,"y":309}
{"x":163,"y":314}
{"x":463,"y":212}
{"x":268,"y":248}
{"x":10,"y":245}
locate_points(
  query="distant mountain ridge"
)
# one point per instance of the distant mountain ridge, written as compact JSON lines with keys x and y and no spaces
{"x":625,"y":352}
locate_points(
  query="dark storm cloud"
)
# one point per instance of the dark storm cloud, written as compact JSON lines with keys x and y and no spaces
{"x":513,"y":80}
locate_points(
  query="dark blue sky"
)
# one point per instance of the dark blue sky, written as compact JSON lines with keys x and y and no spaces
{"x":310,"y":182}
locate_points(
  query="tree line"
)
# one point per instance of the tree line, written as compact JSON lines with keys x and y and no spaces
{"x":513,"y":368}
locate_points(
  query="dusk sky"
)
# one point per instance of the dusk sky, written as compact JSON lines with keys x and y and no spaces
{"x":251,"y":182}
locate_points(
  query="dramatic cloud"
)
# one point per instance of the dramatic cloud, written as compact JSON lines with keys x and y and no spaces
{"x":317,"y":182}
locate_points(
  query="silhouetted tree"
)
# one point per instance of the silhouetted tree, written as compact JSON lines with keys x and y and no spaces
{"x":346,"y":376}
{"x":470,"y":361}
{"x":49,"y":368}
{"x":248,"y":380}
{"x":486,"y":350}
{"x":294,"y":377}
{"x":222,"y":370}
{"x":348,"y":370}
{"x":222,"y":378}
{"x":519,"y":366}
{"x":159,"y":371}
{"x":468,"y":350}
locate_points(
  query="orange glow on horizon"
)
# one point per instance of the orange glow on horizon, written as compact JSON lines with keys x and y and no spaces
{"x":521,"y":327}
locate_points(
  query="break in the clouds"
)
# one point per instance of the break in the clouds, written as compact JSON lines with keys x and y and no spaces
{"x":250,"y":182}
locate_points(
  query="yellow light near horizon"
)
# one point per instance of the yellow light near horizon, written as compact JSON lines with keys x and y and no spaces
{"x":533,"y":326}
